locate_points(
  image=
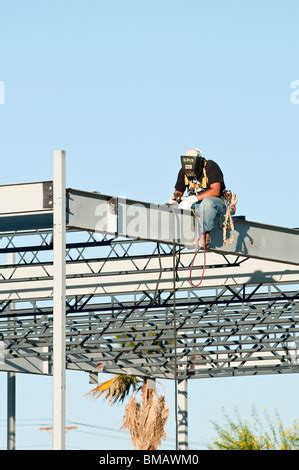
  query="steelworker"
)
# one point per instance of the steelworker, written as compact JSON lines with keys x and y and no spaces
{"x":202,"y":181}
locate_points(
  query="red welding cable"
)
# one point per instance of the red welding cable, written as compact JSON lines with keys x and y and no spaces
{"x":204,"y":262}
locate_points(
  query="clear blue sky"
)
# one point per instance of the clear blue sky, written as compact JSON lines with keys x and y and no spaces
{"x":125,"y":88}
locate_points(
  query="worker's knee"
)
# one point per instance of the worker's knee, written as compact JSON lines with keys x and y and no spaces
{"x":208,"y":203}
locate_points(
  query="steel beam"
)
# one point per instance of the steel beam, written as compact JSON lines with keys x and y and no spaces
{"x":182,"y":411}
{"x":164,"y":224}
{"x":11,"y":411}
{"x":59,"y":273}
{"x":26,"y":205}
{"x":11,"y":392}
{"x":26,"y":198}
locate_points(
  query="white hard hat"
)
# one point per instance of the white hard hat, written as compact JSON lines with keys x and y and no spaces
{"x":193,"y":152}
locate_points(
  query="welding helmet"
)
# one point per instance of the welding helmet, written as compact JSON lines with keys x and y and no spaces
{"x":192,"y":162}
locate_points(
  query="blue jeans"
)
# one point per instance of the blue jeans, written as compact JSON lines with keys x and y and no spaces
{"x":206,"y":213}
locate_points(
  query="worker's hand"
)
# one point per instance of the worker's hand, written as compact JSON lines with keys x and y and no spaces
{"x":188,"y":202}
{"x":172,"y":201}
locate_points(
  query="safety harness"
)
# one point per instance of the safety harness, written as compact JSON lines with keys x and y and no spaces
{"x":230,"y":200}
{"x":196,"y":186}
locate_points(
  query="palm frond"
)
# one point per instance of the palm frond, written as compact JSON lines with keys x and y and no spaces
{"x":117,"y":389}
{"x":145,"y":420}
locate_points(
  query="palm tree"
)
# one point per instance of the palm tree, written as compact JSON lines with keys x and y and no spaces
{"x":145,"y":418}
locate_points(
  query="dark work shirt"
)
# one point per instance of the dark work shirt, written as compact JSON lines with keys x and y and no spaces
{"x":214,"y":175}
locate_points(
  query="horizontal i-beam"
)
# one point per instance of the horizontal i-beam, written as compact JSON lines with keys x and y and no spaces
{"x":165,"y":224}
{"x":30,"y":207}
{"x":26,"y":206}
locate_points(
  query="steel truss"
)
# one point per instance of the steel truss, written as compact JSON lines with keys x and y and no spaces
{"x":120,"y":316}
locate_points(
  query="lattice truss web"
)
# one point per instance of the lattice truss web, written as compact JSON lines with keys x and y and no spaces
{"x":120,"y":317}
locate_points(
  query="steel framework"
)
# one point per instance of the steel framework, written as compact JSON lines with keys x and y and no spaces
{"x":129,"y":306}
{"x":120,"y":316}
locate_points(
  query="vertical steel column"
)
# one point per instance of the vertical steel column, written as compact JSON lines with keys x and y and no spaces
{"x":59,"y":274}
{"x":182,"y":411}
{"x":11,"y":411}
{"x":11,"y":391}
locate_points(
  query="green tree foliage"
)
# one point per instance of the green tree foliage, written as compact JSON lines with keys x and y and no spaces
{"x":262,"y":433}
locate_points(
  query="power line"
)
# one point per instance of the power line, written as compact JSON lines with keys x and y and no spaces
{"x":116,"y":430}
{"x":95,"y":426}
{"x":116,"y":437}
{"x":101,"y":435}
{"x":39,"y":422}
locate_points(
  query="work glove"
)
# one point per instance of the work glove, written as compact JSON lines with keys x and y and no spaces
{"x":188,"y":202}
{"x":172,"y":201}
{"x":175,"y":198}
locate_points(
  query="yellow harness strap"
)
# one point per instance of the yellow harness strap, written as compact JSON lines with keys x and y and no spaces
{"x":204,"y":180}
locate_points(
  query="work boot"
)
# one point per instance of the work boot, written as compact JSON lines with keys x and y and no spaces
{"x":204,"y":243}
